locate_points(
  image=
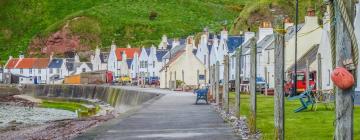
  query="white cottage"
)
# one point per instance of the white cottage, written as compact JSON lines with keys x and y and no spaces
{"x":99,"y":60}
{"x":174,"y":69}
{"x":309,"y":37}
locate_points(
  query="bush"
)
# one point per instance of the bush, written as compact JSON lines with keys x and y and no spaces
{"x":153,"y":15}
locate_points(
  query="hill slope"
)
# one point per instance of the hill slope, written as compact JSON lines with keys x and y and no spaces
{"x":90,"y":23}
{"x":39,"y":27}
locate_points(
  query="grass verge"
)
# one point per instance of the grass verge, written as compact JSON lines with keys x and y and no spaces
{"x":306,"y":125}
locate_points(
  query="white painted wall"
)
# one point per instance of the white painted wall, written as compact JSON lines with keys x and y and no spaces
{"x":308,"y":36}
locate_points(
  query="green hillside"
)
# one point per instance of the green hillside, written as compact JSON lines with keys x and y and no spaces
{"x":101,"y":21}
{"x":138,"y":22}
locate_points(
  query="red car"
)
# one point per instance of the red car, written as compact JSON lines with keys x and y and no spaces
{"x":300,"y":82}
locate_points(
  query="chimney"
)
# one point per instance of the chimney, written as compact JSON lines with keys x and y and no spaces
{"x":77,"y":58}
{"x":189,"y":45}
{"x":248,"y":36}
{"x":21,"y":56}
{"x":215,"y":41}
{"x":113,"y":46}
{"x":10,"y":57}
{"x":264,"y":30}
{"x":288,"y":22}
{"x":51,"y":56}
{"x":310,"y":12}
{"x":175,"y":43}
{"x":128,"y":46}
{"x":224,"y":34}
{"x":310,"y":18}
{"x":123,"y":56}
{"x":97,"y":51}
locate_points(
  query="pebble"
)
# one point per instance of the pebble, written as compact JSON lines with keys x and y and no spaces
{"x":239,"y":125}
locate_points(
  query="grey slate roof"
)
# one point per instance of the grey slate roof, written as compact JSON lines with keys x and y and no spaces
{"x":291,"y":31}
{"x":55,"y":63}
{"x":310,"y":55}
{"x":173,"y":51}
{"x":69,"y":62}
{"x":104,"y":56}
{"x":128,"y":62}
{"x":160,"y":54}
{"x":234,"y":42}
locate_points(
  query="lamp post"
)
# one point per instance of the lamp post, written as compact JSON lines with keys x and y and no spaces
{"x":296,"y":42}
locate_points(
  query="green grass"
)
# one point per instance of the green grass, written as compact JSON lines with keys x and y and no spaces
{"x":70,"y":106}
{"x":306,"y":125}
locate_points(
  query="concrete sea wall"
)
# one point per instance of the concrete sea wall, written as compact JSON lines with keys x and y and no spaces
{"x":121,"y":99}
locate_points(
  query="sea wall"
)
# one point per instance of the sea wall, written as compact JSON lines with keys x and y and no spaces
{"x":121,"y":99}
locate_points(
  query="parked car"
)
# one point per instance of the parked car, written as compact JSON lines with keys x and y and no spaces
{"x":300,"y":81}
{"x":260,"y":84}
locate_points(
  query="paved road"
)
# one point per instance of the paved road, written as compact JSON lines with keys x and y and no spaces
{"x":173,"y":116}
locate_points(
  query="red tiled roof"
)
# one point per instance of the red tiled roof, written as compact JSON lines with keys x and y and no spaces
{"x":26,"y":63}
{"x":129,"y":52}
{"x":176,"y":56}
{"x":12,"y":63}
{"x":41,"y":63}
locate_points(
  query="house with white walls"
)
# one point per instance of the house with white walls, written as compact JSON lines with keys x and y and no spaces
{"x":233,"y":43}
{"x":99,"y":60}
{"x":29,"y":70}
{"x":203,"y":49}
{"x":144,"y":63}
{"x":268,"y":62}
{"x":309,"y":36}
{"x":134,"y":66}
{"x":175,"y":68}
{"x":115,"y":58}
{"x":57,"y":71}
{"x":324,"y":56}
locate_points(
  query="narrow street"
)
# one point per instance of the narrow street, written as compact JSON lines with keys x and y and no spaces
{"x":173,"y":116}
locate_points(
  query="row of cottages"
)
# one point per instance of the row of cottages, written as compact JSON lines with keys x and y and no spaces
{"x":43,"y":70}
{"x":123,"y":61}
{"x":211,"y":50}
{"x":309,"y":36}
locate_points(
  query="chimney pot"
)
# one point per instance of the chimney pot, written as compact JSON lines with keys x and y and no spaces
{"x":311,"y":12}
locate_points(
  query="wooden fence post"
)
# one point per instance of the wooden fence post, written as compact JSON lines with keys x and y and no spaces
{"x":343,"y":98}
{"x":226,"y":84}
{"x":237,"y":82}
{"x":319,"y":73}
{"x":279,"y":80}
{"x":217,"y":76}
{"x":213,"y":82}
{"x":307,"y":74}
{"x":253,"y":54}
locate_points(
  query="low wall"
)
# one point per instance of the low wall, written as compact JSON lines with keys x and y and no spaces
{"x":121,"y":99}
{"x":6,"y":90}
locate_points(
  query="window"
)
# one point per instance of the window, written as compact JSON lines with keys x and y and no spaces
{"x":30,"y":71}
{"x":51,"y":71}
{"x":153,"y":64}
{"x":83,"y":70}
{"x":21,"y":71}
{"x":232,"y":62}
{"x":39,"y":71}
{"x":153,"y":74}
{"x":57,"y":70}
{"x":146,"y":64}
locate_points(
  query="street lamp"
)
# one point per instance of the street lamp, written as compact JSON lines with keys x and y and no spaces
{"x":296,"y":42}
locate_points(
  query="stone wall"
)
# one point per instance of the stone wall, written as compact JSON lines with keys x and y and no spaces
{"x":121,"y":99}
